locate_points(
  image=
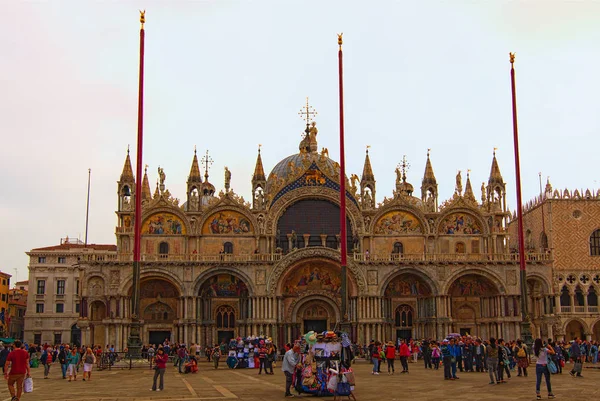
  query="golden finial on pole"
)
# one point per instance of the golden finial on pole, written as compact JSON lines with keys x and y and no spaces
{"x":340,"y":41}
{"x":259,"y":146}
{"x":495,"y":149}
{"x":142,"y":18}
{"x":512,"y":57}
{"x":428,"y":151}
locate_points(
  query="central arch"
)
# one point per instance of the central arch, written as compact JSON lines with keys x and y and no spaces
{"x":316,"y":312}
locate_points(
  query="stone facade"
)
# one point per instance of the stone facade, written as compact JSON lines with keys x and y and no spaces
{"x":216,"y":266}
{"x":54,"y":298}
{"x":563,"y":224}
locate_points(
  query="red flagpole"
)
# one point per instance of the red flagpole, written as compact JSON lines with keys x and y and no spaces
{"x":343,"y":240}
{"x":525,"y":328}
{"x":134,"y":341}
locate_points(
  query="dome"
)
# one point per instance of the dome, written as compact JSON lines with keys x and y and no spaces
{"x":291,"y":165}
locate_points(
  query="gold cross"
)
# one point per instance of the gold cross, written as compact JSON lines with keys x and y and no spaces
{"x":404,"y":166}
{"x":206,"y":160}
{"x":307,"y":113}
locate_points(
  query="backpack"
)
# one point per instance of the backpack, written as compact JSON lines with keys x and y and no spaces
{"x":435,"y":353}
{"x":44,"y":357}
{"x":521,"y":353}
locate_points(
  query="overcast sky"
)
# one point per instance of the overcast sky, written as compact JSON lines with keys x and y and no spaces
{"x":228,"y":75}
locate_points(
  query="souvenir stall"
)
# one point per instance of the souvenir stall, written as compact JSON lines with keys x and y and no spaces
{"x":243,"y":352}
{"x":326,"y":370}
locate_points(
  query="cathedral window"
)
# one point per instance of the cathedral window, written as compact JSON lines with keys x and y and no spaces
{"x":163,"y":248}
{"x":398,"y":248}
{"x":595,"y":243}
{"x":228,"y":247}
{"x":225,"y":317}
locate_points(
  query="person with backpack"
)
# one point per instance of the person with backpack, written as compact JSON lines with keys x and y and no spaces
{"x":522,"y":354}
{"x":435,"y":355}
{"x":541,"y":368}
{"x":46,"y":360}
{"x":404,"y":355}
{"x":216,"y":355}
{"x":62,"y":359}
{"x":390,"y":355}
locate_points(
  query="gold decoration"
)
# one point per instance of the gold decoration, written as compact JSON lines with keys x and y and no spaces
{"x":142,"y":18}
{"x":340,"y":41}
{"x":512,"y":58}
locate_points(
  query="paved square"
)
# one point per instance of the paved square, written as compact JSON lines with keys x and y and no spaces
{"x":246,"y":384}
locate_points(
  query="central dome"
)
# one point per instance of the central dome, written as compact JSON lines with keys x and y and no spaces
{"x":300,"y":162}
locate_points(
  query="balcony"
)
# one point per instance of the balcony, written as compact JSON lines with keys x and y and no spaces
{"x":450,"y":257}
{"x":578,"y":309}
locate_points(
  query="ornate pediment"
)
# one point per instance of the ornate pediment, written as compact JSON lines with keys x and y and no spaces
{"x":458,"y":202}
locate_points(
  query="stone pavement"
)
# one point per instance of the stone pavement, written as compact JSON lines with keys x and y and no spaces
{"x":246,"y":384}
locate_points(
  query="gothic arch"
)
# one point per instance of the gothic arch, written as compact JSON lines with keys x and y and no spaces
{"x":95,"y":287}
{"x":546,"y":285}
{"x":322,"y":193}
{"x":493,"y":277}
{"x":201,"y":279}
{"x":154,"y":272}
{"x":582,"y":322}
{"x":287,"y":263}
{"x":411,"y":271}
{"x":418,"y":214}
{"x":300,"y":302}
{"x":485,"y":230}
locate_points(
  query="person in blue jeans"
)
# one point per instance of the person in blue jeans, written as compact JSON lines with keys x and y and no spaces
{"x":376,"y":357}
{"x":455,"y":355}
{"x":446,"y":360}
{"x":62,"y":359}
{"x":543,"y":354}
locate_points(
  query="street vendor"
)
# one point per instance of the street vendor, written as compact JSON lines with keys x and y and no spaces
{"x":290,"y":361}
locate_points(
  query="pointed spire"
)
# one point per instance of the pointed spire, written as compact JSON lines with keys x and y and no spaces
{"x":367,"y":174}
{"x":127,"y":174}
{"x":468,"y":188}
{"x":195,"y":170}
{"x":495,"y":175}
{"x":548,"y":187}
{"x":428,"y":176}
{"x":146,"y":185}
{"x":259,"y":172}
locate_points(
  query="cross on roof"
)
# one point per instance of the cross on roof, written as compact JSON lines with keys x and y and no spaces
{"x":307,"y":113}
{"x":207,"y":161}
{"x":404,"y":166}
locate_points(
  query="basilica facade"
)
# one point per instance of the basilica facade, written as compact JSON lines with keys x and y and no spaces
{"x":215,"y":266}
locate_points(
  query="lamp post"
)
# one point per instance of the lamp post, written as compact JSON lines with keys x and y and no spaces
{"x":525,"y":322}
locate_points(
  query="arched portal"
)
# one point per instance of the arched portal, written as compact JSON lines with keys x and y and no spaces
{"x":538,"y":305}
{"x":408,"y":291}
{"x":475,"y":303}
{"x":75,"y":335}
{"x":97,"y":314}
{"x":224,"y":308}
{"x":574,"y":329}
{"x":596,"y":331}
{"x":160,"y":308}
{"x":316,"y":315}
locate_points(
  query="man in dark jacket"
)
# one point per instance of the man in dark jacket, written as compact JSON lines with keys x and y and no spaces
{"x":426,"y":351}
{"x":62,"y":359}
{"x":576,"y":356}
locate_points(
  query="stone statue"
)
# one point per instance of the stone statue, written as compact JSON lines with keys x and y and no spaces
{"x":430,"y":202}
{"x":483,"y":195}
{"x":353,"y":187}
{"x":261,"y":224}
{"x":458,"y":183}
{"x":260,"y":199}
{"x":227,"y":179}
{"x":325,"y":152}
{"x":312,"y":133}
{"x":367,"y":200}
{"x":398,"y":176}
{"x":194,"y":200}
{"x":162,"y":176}
{"x":294,"y":238}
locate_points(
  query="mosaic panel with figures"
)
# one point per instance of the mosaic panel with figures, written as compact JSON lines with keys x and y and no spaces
{"x":163,"y":224}
{"x":227,"y":222}
{"x":472,"y":285}
{"x":312,"y":277}
{"x":407,"y":285}
{"x":224,"y":285}
{"x":397,"y":222}
{"x":460,"y":224}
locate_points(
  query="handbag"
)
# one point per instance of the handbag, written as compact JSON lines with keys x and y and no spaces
{"x":562,"y":363}
{"x":28,"y":385}
{"x":343,"y":389}
{"x":552,"y":367}
{"x":578,"y":367}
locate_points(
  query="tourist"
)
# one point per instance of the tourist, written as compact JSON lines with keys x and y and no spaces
{"x":479,"y":355}
{"x":4,"y":351}
{"x":435,"y":355}
{"x":181,"y":358}
{"x":262,"y":356}
{"x":160,"y":365}
{"x":17,"y":366}
{"x":541,"y":367}
{"x":62,"y":359}
{"x":390,"y":355}
{"x":216,"y":355}
{"x":270,"y":358}
{"x":522,"y":354}
{"x":492,"y":360}
{"x":46,"y":360}
{"x":404,"y":355}
{"x":89,"y":359}
{"x":376,"y":357}
{"x":288,"y":366}
{"x":414,"y":348}
{"x":73,"y":359}
{"x":577,"y":358}
{"x":502,"y":360}
{"x":455,"y":355}
{"x":446,"y":359}
{"x":426,"y":351}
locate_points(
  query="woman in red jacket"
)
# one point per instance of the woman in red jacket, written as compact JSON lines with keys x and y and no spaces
{"x":160,"y":361}
{"x":390,"y":355}
{"x":404,"y":355}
